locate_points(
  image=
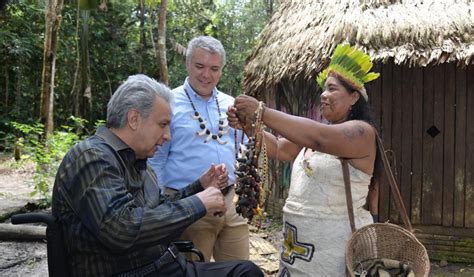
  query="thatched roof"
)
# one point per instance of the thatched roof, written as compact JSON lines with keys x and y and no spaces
{"x":302,"y":35}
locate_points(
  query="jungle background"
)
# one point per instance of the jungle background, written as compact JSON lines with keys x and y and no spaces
{"x":61,"y":60}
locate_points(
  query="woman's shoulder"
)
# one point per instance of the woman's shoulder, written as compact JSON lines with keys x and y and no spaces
{"x":361,"y":127}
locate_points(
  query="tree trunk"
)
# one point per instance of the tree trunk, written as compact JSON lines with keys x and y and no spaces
{"x":22,"y":232}
{"x":152,"y":38}
{"x":52,"y":23}
{"x":75,"y":90}
{"x":142,"y":36}
{"x":269,"y":6}
{"x":16,"y":149}
{"x":18,"y":97}
{"x":85,"y":81}
{"x":162,"y":43}
{"x":5,"y":112}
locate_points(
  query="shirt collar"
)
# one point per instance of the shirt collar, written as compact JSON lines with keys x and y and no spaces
{"x":195,"y":95}
{"x":121,"y":147}
{"x":112,"y":139}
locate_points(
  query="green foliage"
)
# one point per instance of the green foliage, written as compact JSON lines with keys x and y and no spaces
{"x":21,"y":51}
{"x":88,"y":4}
{"x":99,"y":123}
{"x":46,"y":155}
{"x":6,"y":141}
{"x":115,"y":50}
{"x":237,"y":24}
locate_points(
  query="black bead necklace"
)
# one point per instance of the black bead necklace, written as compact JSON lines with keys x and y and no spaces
{"x":202,"y":124}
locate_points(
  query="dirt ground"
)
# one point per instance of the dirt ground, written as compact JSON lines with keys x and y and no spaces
{"x":19,"y":258}
{"x":15,"y":183}
{"x":23,"y":259}
{"x":29,"y":258}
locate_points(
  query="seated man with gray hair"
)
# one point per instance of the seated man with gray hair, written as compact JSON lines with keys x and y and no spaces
{"x":114,"y":219}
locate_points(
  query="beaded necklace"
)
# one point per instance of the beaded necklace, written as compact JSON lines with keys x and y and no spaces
{"x":202,"y":124}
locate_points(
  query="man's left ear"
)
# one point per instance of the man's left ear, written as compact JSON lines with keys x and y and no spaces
{"x":133,"y":117}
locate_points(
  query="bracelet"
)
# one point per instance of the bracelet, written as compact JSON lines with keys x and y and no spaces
{"x":259,"y":112}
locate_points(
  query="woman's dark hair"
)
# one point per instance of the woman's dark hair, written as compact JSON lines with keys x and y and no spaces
{"x":362,"y":111}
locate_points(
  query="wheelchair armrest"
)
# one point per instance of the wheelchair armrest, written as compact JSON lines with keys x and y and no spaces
{"x":184,"y":245}
{"x":33,"y":218}
{"x":188,"y":246}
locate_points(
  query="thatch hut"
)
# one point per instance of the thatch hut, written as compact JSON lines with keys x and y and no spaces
{"x":423,"y":102}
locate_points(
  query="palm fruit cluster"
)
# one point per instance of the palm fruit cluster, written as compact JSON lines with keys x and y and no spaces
{"x":248,"y":181}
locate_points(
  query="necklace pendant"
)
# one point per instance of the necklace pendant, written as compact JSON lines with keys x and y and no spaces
{"x":208,"y":138}
{"x":222,"y":130}
{"x":202,"y":133}
{"x":220,"y":141}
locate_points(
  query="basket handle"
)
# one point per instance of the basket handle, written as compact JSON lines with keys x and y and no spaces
{"x":393,"y":186}
{"x":391,"y":180}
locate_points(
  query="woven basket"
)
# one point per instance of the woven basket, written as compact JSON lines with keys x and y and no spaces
{"x":389,"y":241}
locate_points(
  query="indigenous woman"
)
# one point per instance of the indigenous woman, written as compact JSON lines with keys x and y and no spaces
{"x":316,"y":222}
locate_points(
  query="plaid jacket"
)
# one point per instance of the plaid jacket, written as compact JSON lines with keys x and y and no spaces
{"x":113,"y":215}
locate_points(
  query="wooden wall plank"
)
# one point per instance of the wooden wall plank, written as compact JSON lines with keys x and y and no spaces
{"x":435,"y":230}
{"x":374,"y":90}
{"x":469,"y":190}
{"x":427,"y":195}
{"x":397,"y":84}
{"x":406,"y":136}
{"x":448,"y":148}
{"x":386,"y":133}
{"x":417,"y":144}
{"x":437,"y":188}
{"x":460,"y":148}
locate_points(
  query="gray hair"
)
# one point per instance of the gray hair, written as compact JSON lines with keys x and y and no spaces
{"x":207,"y":43}
{"x":138,"y":92}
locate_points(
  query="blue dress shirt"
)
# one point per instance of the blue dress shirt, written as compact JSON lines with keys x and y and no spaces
{"x":186,"y":157}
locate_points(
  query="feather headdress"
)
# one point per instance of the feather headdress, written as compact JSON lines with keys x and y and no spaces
{"x":352,"y":65}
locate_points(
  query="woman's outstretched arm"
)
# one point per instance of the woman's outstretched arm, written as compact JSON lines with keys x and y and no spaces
{"x":351,"y":139}
{"x":277,"y":148}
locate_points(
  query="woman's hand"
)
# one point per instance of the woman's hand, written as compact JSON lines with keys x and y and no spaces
{"x":246,"y":107}
{"x":232,"y":118}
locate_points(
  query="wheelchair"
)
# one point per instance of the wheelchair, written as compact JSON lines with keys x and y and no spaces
{"x":58,"y":265}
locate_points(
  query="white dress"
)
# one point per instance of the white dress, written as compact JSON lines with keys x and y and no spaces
{"x":316,"y":225}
